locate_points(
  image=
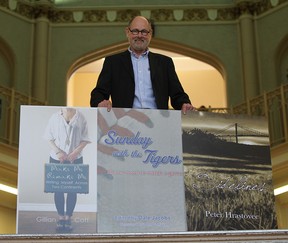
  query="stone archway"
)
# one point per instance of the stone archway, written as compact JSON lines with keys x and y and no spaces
{"x":281,"y":61}
{"x":217,"y":96}
{"x":7,"y":64}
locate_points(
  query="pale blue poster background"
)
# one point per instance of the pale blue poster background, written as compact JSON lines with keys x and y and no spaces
{"x":140,"y":179}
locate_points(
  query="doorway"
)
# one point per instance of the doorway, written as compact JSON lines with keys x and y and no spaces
{"x":203,"y":83}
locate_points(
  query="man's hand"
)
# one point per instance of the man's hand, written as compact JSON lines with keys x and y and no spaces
{"x":105,"y":103}
{"x":187,"y":107}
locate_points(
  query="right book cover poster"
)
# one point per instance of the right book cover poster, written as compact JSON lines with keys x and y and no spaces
{"x":227,"y":172}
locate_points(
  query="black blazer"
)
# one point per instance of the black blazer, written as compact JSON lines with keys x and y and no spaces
{"x":117,"y":80}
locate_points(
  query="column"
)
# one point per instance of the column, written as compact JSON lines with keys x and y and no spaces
{"x":248,"y":50}
{"x":40,"y":64}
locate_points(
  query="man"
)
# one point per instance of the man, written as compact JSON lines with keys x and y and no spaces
{"x":138,"y":78}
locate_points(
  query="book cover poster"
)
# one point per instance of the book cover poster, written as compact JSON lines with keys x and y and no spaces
{"x":57,"y":170}
{"x":140,"y":171}
{"x":228,"y":176}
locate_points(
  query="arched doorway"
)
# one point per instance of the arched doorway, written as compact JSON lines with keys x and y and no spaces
{"x":201,"y":75}
{"x":281,"y":60}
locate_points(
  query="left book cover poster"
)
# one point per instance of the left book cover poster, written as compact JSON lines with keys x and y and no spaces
{"x":57,"y":170}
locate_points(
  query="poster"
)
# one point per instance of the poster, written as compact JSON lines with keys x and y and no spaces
{"x":140,"y":171}
{"x":228,"y":174}
{"x":70,"y":182}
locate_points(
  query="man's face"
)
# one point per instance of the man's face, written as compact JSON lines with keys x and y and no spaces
{"x":139,"y":35}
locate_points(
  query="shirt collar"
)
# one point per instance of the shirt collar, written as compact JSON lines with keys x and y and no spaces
{"x":134,"y":54}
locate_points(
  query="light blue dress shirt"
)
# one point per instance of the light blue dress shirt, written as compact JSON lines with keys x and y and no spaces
{"x":144,"y":96}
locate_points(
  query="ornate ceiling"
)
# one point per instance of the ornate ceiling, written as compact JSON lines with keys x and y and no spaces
{"x":119,"y":11}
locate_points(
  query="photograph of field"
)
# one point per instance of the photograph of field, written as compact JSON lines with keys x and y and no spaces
{"x":228,"y":175}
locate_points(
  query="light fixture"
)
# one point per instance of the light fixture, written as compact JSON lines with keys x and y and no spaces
{"x":281,"y":190}
{"x":8,"y":189}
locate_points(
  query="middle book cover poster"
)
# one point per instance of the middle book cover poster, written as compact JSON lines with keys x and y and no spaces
{"x":140,"y":171}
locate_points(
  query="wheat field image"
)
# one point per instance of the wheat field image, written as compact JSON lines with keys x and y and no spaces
{"x":227,"y":172}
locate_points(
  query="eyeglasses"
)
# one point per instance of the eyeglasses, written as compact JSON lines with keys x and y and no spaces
{"x":136,"y":32}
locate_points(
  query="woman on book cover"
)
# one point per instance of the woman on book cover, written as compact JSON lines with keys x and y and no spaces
{"x":67,"y":133}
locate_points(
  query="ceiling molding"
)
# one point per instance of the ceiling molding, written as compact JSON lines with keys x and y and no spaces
{"x":122,"y":14}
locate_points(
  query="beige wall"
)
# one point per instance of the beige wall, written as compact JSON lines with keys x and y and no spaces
{"x":205,"y":87}
{"x":79,"y":88}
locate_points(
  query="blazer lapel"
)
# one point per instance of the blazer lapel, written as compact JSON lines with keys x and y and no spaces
{"x":127,"y":63}
{"x":153,"y":65}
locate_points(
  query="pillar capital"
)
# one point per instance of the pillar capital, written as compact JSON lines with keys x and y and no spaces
{"x":247,"y":6}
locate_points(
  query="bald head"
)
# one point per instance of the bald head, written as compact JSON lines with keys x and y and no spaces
{"x":140,"y":18}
